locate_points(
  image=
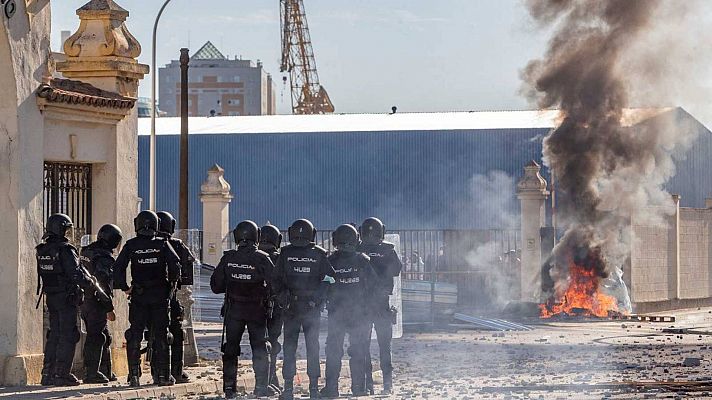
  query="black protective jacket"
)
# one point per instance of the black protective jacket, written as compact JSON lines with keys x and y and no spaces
{"x":355,"y":281}
{"x":244,"y":276}
{"x":299,"y":275}
{"x":58,"y":267}
{"x":155,"y":268}
{"x":98,"y":261}
{"x":385,"y":262}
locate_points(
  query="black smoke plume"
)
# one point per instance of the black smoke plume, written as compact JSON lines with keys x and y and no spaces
{"x":606,"y":172}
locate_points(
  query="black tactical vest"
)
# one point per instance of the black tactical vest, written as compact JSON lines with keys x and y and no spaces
{"x":245,"y":276}
{"x":49,"y":267}
{"x":148,"y":266}
{"x":302,"y":269}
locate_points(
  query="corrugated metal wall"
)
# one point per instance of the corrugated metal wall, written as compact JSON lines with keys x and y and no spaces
{"x":412,"y":180}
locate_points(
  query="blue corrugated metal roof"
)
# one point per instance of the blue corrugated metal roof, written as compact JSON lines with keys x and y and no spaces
{"x":412,"y":179}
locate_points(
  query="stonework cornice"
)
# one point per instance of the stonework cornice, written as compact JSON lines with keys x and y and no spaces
{"x":532,"y":182}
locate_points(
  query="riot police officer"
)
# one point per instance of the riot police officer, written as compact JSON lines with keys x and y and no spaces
{"x":243,"y":275}
{"x":270,"y":241}
{"x":97,"y":258}
{"x":63,"y":281}
{"x":354,"y":278}
{"x":155,"y":271}
{"x":299,"y":284}
{"x":166,"y":228}
{"x":387,"y":266}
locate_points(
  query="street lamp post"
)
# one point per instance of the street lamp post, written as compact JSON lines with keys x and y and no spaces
{"x":152,"y":156}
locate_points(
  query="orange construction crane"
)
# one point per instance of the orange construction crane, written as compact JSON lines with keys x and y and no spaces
{"x":308,"y":96}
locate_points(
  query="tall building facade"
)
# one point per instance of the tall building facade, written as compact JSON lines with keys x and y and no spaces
{"x":218,"y":86}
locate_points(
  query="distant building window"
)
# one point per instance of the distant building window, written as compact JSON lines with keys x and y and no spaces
{"x":236,"y":78}
{"x":234,"y":102}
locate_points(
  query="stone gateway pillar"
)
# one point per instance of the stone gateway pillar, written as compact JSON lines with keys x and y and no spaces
{"x":215,"y":196}
{"x":532,"y":193}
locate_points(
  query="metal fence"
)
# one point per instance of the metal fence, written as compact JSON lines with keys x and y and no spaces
{"x":479,"y":268}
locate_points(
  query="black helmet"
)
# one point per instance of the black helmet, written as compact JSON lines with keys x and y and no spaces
{"x":166,"y":222}
{"x":301,"y":232}
{"x":345,"y":238}
{"x":372,"y":231}
{"x":58,"y":224}
{"x":246,"y":231}
{"x":110,"y":235}
{"x":146,"y":223}
{"x":271,"y":234}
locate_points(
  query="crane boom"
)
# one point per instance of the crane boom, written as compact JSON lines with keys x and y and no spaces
{"x":308,"y":96}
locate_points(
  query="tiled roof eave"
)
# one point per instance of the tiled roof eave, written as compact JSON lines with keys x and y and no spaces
{"x":54,"y":94}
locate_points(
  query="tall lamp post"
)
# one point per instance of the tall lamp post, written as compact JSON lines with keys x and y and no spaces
{"x":152,"y":156}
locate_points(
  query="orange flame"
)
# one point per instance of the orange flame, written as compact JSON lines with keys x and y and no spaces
{"x":582,"y":298}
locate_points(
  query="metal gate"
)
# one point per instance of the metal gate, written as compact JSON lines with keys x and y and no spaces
{"x":67,"y":190}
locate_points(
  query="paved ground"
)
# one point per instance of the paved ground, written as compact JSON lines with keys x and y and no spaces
{"x":581,"y":360}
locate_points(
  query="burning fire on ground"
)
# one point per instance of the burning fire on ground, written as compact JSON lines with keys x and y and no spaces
{"x":584,"y":296}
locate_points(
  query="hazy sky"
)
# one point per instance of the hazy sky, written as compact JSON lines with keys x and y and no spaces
{"x":419,"y":55}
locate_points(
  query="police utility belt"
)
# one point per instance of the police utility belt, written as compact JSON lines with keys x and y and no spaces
{"x":140,"y":288}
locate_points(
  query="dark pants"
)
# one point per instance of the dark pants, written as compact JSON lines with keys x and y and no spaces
{"x":381,"y":320}
{"x":97,"y":347}
{"x":175,"y":327}
{"x":142,"y":314}
{"x":294,"y":321}
{"x":234,"y":329}
{"x":341,"y":323}
{"x":274,"y":331}
{"x":62,"y":337}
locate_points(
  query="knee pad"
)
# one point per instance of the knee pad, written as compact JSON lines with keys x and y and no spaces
{"x":147,"y":335}
{"x":232,"y":350}
{"x":276,"y":348}
{"x":109,"y":340}
{"x":49,"y":333}
{"x":268,"y":346}
{"x":178,"y":336}
{"x":169,"y":338}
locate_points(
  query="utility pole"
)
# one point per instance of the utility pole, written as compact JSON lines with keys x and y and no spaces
{"x":183,"y":201}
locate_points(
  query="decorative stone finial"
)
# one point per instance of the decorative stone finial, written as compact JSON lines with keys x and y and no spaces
{"x":215,"y":184}
{"x":102,"y":32}
{"x":532,"y":181}
{"x":102,"y":51}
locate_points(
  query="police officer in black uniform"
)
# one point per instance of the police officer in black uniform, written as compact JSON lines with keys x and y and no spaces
{"x":155,"y":271}
{"x":166,"y":228}
{"x":301,"y":291}
{"x":97,"y":259}
{"x":387,"y":265}
{"x":244,"y":275}
{"x":64,"y":282}
{"x":270,"y":242}
{"x":354,"y":279}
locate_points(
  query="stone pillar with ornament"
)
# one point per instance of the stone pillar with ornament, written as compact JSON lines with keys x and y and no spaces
{"x":215,"y":196}
{"x":532,"y":193}
{"x":91,"y":119}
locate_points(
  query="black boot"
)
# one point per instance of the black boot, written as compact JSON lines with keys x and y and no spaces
{"x":330,"y":391}
{"x":264,"y":391}
{"x":387,"y":383}
{"x":47,"y":375}
{"x":91,"y":366}
{"x":369,"y":384}
{"x":105,"y":366}
{"x":177,"y":364}
{"x":66,"y":379}
{"x":288,"y":392}
{"x":134,"y":376}
{"x":164,"y":377}
{"x":314,"y":388}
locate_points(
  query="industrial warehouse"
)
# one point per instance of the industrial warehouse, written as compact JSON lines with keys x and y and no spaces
{"x":415,"y":170}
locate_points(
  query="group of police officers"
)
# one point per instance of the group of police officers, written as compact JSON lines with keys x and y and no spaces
{"x":267,"y":288}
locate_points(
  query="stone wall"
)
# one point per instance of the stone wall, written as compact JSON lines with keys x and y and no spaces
{"x":670,"y":262}
{"x":694,"y":253}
